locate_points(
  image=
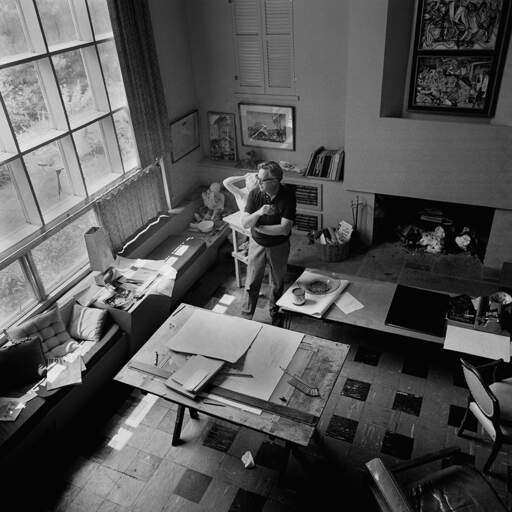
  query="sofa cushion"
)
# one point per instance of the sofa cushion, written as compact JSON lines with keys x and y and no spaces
{"x":22,"y":362}
{"x":87,"y":323}
{"x":49,"y":327}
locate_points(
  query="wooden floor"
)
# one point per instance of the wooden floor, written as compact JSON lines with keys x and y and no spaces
{"x":394,"y":399}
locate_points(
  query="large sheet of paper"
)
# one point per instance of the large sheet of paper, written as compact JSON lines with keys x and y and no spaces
{"x":214,"y":335}
{"x":315,"y":305}
{"x":272,"y":348}
{"x":477,"y":343}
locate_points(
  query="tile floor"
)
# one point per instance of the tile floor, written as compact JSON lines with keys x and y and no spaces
{"x":395,"y":399}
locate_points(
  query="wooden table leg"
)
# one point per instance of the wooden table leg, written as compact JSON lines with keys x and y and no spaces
{"x":177,"y":425}
{"x":193,"y":413}
{"x":237,"y":263}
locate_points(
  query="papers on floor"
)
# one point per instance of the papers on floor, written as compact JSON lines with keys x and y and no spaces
{"x":348,"y":303}
{"x":315,"y":305}
{"x":272,"y":348}
{"x":478,"y":343}
{"x":213,"y":335}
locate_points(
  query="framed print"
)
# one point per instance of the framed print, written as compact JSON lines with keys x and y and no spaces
{"x":458,"y":57}
{"x":184,"y":135}
{"x":267,"y":126}
{"x":221,"y":129}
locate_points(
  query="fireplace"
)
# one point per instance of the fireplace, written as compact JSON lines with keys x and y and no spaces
{"x":432,"y":226}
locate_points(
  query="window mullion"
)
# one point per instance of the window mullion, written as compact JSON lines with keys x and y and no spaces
{"x":25,"y":191}
{"x":32,"y":275}
{"x":31,"y":25}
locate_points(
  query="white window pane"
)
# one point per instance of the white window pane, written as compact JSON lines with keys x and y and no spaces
{"x":75,"y":87}
{"x":126,"y":140}
{"x":112,"y":72}
{"x":57,"y":21}
{"x":12,"y":37}
{"x":16,"y":294}
{"x":50,"y":180}
{"x":12,"y":214}
{"x":91,"y":152}
{"x":26,"y":105}
{"x":64,"y":253}
{"x":100,"y":17}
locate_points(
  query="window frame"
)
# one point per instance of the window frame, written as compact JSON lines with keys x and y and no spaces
{"x":40,"y":54}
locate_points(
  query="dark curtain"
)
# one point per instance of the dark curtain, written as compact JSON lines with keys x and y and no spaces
{"x":133,"y":34}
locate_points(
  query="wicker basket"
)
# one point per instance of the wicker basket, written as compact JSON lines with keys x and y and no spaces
{"x":334,"y":252}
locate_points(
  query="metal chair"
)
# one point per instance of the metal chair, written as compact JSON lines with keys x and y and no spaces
{"x":490,"y":401}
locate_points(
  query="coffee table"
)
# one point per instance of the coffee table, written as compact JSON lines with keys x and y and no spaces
{"x":289,"y":415}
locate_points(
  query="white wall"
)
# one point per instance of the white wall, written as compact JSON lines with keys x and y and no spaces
{"x":172,"y":45}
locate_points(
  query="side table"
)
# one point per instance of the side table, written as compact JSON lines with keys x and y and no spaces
{"x":234,"y":222}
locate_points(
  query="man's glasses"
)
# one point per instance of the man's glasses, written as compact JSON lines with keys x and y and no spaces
{"x":264,"y":180}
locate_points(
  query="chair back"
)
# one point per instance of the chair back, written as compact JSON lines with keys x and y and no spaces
{"x":480,"y":392}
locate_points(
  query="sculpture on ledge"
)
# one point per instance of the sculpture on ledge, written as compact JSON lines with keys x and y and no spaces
{"x":213,"y":204}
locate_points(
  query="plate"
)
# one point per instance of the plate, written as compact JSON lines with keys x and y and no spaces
{"x":320,"y":285}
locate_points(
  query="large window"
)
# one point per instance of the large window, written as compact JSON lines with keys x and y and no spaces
{"x":65,"y":136}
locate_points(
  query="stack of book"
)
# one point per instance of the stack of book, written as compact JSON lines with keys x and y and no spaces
{"x":325,"y":163}
{"x":193,"y":376}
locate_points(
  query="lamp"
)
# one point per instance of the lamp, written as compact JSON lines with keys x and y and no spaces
{"x":100,"y":254}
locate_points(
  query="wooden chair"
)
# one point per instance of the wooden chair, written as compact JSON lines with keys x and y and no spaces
{"x":456,"y":487}
{"x":490,"y":401}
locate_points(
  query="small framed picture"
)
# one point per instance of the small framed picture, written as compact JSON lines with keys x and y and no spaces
{"x":267,"y":126}
{"x":221,"y":129}
{"x":184,"y":135}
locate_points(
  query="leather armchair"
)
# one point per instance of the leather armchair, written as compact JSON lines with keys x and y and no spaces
{"x":454,"y":488}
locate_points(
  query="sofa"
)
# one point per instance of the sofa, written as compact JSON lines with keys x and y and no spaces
{"x":49,"y":413}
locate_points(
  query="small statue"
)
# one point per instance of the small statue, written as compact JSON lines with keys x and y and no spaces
{"x":213,"y":206}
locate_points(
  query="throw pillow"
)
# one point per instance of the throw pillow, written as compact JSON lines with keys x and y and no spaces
{"x":22,"y":362}
{"x":49,"y":326}
{"x":87,"y":323}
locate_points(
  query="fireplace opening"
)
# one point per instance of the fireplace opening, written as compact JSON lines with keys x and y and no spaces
{"x":432,"y":226}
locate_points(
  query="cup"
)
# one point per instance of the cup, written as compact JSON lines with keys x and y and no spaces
{"x":298,"y":296}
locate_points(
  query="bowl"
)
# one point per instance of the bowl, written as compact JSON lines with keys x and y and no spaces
{"x":205,"y":226}
{"x":319,"y":285}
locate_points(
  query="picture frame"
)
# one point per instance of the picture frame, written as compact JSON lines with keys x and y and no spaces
{"x":222,"y":136}
{"x":458,"y":56}
{"x":184,"y":135}
{"x":267,"y":126}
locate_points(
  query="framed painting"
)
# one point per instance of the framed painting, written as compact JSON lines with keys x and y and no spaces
{"x":222,"y":133}
{"x":184,"y":135}
{"x":459,"y":51}
{"x":267,"y":126}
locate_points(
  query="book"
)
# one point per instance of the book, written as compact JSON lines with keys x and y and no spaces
{"x":191,"y":378}
{"x":312,"y":161}
{"x":339,"y":168}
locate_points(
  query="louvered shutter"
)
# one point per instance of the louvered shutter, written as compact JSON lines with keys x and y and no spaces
{"x":278,"y":43}
{"x":263,"y":32}
{"x":248,"y":44}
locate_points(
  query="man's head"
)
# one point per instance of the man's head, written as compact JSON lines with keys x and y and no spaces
{"x":269,"y":176}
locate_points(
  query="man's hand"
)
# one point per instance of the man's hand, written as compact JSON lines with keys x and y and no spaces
{"x":266,"y":209}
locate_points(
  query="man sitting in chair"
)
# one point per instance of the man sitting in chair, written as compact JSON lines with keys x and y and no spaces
{"x":269,"y":214}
